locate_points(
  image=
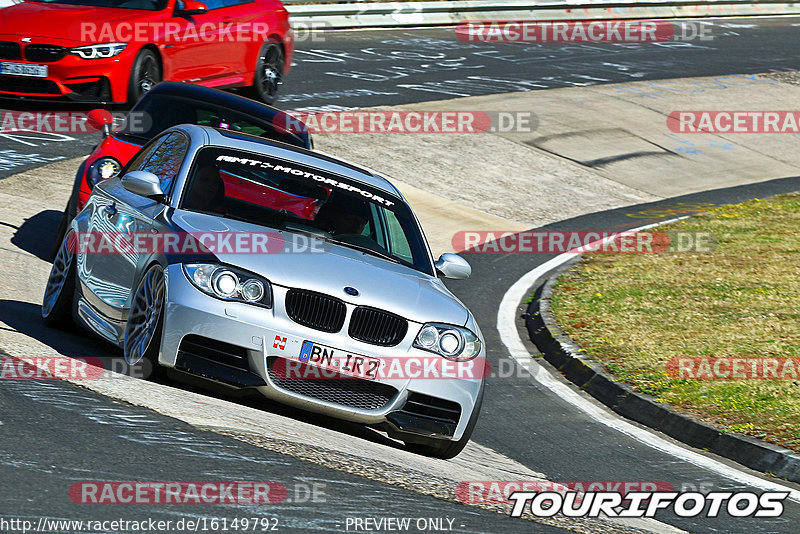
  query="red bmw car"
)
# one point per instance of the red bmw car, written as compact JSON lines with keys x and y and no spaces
{"x":113,"y":51}
{"x":166,"y":105}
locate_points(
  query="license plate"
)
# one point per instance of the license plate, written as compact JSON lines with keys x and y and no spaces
{"x":22,"y":69}
{"x":339,"y":361}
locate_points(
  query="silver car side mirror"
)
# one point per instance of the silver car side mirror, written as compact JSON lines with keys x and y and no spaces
{"x":144,"y":184}
{"x":453,"y":266}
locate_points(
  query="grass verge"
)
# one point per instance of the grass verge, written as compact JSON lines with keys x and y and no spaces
{"x":637,"y":312}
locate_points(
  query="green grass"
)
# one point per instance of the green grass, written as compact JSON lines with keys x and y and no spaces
{"x":634,"y":313}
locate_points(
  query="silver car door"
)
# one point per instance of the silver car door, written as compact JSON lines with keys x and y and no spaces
{"x":117,"y":225}
{"x":105,"y":282}
{"x":165,"y":162}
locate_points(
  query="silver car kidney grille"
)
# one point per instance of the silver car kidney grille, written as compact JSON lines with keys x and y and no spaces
{"x":327,"y":314}
{"x":315,"y":310}
{"x":377,"y":327}
{"x":350,"y":392}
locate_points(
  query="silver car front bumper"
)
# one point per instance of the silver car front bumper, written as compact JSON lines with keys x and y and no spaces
{"x":263,"y":334}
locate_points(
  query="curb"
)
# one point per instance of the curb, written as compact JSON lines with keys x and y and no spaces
{"x":409,"y":14}
{"x":564,"y":354}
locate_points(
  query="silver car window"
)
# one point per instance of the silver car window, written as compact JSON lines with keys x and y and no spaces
{"x":281,"y":194}
{"x":162,"y":157}
{"x":165,"y":161}
{"x":144,"y":154}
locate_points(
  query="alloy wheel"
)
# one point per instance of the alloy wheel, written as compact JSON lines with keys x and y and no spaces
{"x":144,"y":316}
{"x":58,"y":276}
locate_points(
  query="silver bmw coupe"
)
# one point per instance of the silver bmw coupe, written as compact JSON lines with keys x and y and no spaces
{"x":267,"y":267}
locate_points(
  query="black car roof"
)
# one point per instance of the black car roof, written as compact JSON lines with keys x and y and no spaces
{"x":233,"y":102}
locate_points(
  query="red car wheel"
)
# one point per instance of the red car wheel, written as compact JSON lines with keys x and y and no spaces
{"x":269,"y":73}
{"x":145,"y":74}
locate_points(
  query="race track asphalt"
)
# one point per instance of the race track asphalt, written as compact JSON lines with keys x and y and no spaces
{"x":55,"y":434}
{"x":346,"y":69}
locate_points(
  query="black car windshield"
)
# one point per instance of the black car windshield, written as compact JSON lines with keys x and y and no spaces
{"x":147,"y":5}
{"x":156,"y":113}
{"x":280,"y":194}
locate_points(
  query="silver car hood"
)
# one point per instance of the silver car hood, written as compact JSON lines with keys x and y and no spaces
{"x":329,"y":268}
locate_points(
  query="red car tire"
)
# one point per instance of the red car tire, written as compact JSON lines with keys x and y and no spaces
{"x":268,"y":73}
{"x":145,"y":74}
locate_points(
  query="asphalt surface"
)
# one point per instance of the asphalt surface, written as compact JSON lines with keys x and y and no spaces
{"x":346,"y":69}
{"x":55,"y":434}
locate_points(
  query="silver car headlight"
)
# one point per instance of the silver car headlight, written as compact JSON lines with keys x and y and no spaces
{"x":229,"y":283}
{"x":451,"y":342}
{"x":99,"y":51}
{"x":102,"y":169}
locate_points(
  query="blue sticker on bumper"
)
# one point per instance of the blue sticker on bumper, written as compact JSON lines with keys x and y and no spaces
{"x":305,"y":352}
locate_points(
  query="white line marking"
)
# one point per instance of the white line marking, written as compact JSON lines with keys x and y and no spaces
{"x":507,"y":328}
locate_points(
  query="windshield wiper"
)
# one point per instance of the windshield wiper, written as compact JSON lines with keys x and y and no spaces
{"x":364,"y":249}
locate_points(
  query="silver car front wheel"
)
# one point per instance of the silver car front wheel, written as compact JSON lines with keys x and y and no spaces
{"x":57,"y":300}
{"x":143,"y":328}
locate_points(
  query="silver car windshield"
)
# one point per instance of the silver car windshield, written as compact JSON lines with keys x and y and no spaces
{"x":281,"y":194}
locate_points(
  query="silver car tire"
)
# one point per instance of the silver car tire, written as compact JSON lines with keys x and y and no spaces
{"x":143,"y":328}
{"x":60,"y":289}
